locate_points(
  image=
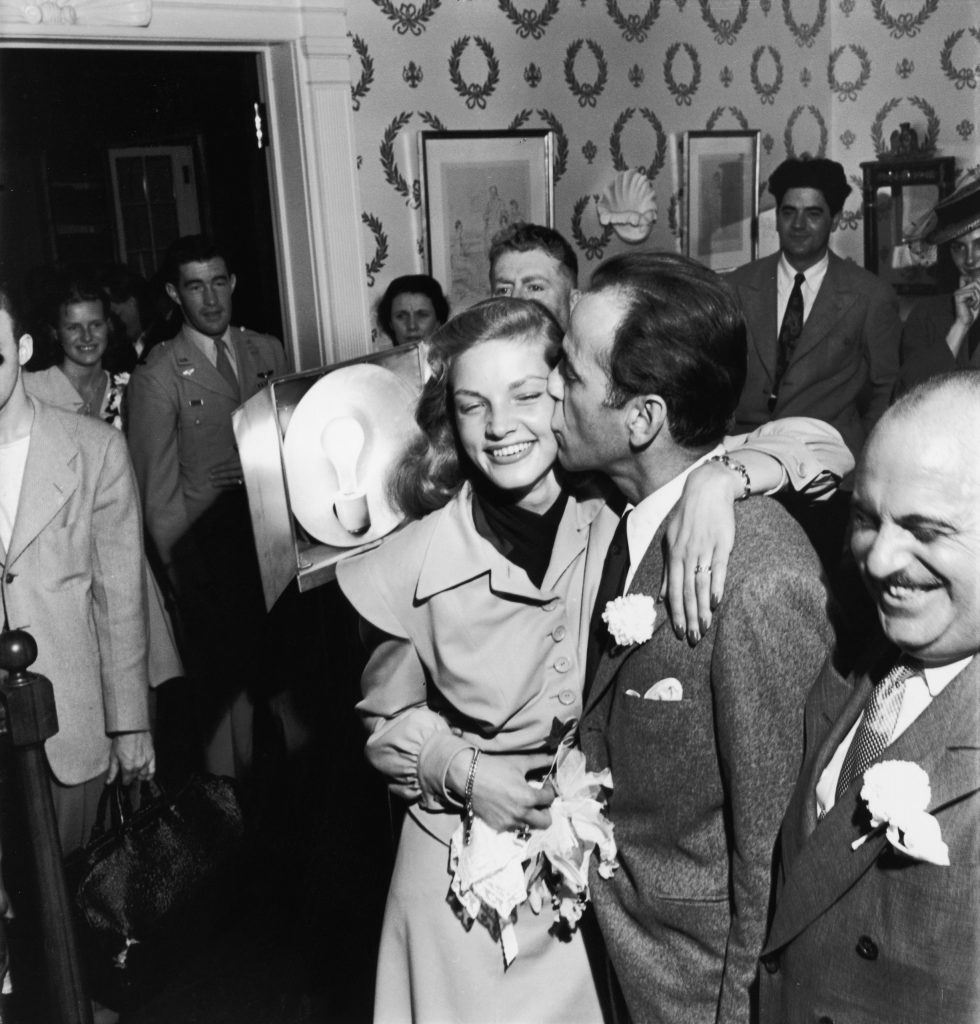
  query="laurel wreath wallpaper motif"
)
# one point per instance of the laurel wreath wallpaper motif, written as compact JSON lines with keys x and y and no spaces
{"x":620,"y":81}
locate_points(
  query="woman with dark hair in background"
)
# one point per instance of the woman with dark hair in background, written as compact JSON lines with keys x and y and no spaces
{"x":411,"y":308}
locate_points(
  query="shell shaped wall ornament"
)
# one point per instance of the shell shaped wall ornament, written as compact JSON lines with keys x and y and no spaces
{"x":629,"y":206}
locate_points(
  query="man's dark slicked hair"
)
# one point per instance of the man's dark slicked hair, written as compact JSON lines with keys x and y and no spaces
{"x":192,"y":249}
{"x":682,"y":337}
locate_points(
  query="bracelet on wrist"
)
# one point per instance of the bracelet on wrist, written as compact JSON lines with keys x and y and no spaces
{"x":736,"y":467}
{"x":468,"y":813}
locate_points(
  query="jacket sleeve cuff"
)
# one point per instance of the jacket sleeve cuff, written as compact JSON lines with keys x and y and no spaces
{"x":434,"y":758}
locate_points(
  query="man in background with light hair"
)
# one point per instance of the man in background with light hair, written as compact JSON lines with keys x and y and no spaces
{"x":529,"y":261}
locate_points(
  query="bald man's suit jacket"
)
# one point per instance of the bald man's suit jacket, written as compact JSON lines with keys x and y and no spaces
{"x":844,"y":364}
{"x":700,"y":784}
{"x":870,"y":935}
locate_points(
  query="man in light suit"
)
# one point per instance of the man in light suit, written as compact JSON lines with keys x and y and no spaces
{"x":73,"y":575}
{"x":704,"y":741}
{"x":864,"y":932}
{"x":180,"y":434}
{"x":836,"y":358}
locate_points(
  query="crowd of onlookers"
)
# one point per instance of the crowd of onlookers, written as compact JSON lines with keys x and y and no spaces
{"x":583,"y":450}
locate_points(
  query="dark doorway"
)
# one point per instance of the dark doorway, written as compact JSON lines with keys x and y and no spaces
{"x":64,"y":200}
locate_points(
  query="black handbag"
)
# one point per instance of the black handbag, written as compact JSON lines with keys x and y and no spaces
{"x":147,"y":875}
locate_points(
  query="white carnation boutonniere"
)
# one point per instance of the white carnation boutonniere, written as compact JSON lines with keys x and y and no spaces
{"x":495,"y":872}
{"x":630,"y":619}
{"x":897,"y":794}
{"x":113,"y":411}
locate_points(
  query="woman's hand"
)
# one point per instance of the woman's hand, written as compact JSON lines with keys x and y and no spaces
{"x":502,"y":796}
{"x":700,"y":537}
{"x":967,"y":302}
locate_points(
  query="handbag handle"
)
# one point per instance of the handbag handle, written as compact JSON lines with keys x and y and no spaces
{"x":117,"y":814}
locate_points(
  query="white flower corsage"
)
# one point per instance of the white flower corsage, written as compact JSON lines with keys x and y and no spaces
{"x":630,"y":619}
{"x":497,"y":871}
{"x":897,"y":794}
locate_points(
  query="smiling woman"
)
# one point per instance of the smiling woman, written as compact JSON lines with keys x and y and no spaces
{"x":477,"y":614}
{"x":80,"y":328}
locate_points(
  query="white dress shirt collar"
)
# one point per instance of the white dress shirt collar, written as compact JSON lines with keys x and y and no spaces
{"x":645,"y":519}
{"x":205,"y":344}
{"x":786,"y":278}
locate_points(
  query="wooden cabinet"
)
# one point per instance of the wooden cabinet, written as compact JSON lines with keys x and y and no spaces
{"x":898,"y":196}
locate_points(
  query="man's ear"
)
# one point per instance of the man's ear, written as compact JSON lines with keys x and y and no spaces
{"x":232,"y":280}
{"x":835,"y":222}
{"x":172,"y":295}
{"x":645,"y":418}
{"x":25,"y":349}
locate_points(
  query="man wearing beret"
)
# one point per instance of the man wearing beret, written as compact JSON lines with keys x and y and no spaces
{"x":823,"y":333}
{"x":942,"y":332}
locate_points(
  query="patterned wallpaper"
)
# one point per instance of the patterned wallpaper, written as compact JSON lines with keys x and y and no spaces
{"x":620,"y":81}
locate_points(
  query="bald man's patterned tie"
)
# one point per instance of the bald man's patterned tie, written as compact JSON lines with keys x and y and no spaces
{"x":876,"y":728}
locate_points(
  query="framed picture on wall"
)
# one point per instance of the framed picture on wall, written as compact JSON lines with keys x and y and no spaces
{"x":475,"y":185}
{"x":721,"y":189}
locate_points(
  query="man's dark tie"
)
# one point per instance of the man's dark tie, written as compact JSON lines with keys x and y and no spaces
{"x":611,"y":583}
{"x":223,"y":363}
{"x":789,"y":333}
{"x":876,"y":728}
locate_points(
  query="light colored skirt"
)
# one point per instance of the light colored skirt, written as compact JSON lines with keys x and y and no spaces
{"x":432,"y":971}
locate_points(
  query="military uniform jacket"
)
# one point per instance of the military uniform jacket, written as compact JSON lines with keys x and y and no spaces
{"x":179,"y":417}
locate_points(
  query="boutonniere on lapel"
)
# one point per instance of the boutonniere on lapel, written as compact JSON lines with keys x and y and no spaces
{"x":630,"y":619}
{"x":897,"y":794}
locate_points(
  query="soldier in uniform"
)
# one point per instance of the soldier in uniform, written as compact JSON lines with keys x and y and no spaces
{"x":180,"y":402}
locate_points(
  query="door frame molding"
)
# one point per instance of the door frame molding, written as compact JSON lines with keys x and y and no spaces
{"x":304,"y":69}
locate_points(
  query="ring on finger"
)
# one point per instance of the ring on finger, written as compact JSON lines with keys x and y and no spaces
{"x":699,"y":568}
{"x":523,"y":832}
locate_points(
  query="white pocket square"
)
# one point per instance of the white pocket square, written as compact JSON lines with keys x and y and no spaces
{"x":666,"y":689}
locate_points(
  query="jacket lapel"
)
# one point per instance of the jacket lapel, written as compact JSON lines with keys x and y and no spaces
{"x":49,"y":480}
{"x":832,"y":300}
{"x":457,"y":553}
{"x":944,"y":741}
{"x":646,"y":580}
{"x":760,"y":305}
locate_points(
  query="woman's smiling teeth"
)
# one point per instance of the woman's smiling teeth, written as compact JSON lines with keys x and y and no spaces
{"x":510,"y":451}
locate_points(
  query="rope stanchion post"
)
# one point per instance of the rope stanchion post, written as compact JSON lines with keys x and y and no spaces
{"x":28,"y":700}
